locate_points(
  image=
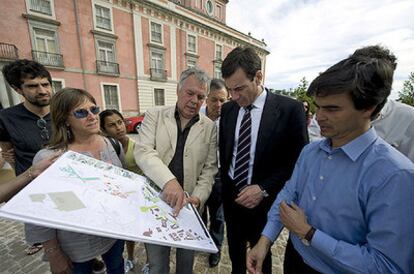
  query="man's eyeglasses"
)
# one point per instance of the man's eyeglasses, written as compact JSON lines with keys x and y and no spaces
{"x":44,"y":133}
{"x":83,"y":112}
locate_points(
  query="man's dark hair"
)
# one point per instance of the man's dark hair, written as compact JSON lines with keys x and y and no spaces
{"x":15,"y":72}
{"x":244,"y":58}
{"x":367,"y":79}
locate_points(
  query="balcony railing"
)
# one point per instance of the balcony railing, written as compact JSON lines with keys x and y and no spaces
{"x":158,"y":74}
{"x":47,"y":58}
{"x":107,"y":67}
{"x":8,"y":51}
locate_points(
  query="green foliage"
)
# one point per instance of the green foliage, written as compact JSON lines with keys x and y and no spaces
{"x":406,"y":95}
{"x":300,"y":94}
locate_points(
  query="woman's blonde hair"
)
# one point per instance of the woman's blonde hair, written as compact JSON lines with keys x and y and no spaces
{"x":61,"y":105}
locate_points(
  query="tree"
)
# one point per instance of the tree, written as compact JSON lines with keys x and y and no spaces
{"x":300,"y":94}
{"x":406,"y":95}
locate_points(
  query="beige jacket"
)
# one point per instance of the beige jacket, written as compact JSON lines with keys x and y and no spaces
{"x":156,"y":145}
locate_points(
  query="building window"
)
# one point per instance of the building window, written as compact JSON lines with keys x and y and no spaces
{"x":45,"y":44}
{"x":45,"y":40}
{"x":157,"y":66}
{"x":209,"y":7}
{"x":191,"y":43}
{"x":103,"y":17}
{"x":106,"y":57}
{"x":219,"y":52}
{"x":217,"y":71}
{"x":57,"y":85}
{"x":106,"y":51}
{"x":111,"y":97}
{"x":159,"y":97}
{"x":156,"y":33}
{"x":41,"y":6}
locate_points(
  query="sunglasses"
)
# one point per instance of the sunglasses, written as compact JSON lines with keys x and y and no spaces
{"x":44,"y":133}
{"x":83,"y":113}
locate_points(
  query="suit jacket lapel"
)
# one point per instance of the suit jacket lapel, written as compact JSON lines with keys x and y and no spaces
{"x":230,"y":129}
{"x":195,"y":130}
{"x":268,"y":122}
{"x":171,"y":126}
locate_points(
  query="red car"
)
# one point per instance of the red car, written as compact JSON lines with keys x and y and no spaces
{"x":133,"y":123}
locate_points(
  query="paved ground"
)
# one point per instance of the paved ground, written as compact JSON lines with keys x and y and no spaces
{"x":13,"y":260}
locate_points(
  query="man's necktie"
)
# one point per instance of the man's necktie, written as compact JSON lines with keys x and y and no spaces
{"x":241,"y":167}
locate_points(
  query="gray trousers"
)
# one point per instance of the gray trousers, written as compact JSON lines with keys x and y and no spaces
{"x":158,"y":257}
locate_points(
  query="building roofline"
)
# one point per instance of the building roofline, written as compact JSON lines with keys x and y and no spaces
{"x":205,"y":26}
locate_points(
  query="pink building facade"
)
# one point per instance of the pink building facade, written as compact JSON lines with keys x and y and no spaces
{"x":127,"y":53}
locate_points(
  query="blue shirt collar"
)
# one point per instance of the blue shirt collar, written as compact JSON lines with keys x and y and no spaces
{"x":356,"y":147}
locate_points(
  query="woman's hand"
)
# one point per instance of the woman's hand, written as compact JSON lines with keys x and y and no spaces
{"x":40,"y":166}
{"x":59,"y":262}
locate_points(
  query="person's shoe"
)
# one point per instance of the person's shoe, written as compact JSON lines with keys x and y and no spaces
{"x":98,"y":267}
{"x":128,"y":265}
{"x":214,"y":259}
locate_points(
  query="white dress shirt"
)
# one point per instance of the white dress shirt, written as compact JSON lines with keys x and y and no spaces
{"x":395,"y":125}
{"x":256,"y":116}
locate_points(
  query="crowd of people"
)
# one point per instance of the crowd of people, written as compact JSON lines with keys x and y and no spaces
{"x":243,"y":156}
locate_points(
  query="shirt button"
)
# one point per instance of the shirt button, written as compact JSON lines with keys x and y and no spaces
{"x":330,"y":157}
{"x":321,"y":177}
{"x":313,"y":198}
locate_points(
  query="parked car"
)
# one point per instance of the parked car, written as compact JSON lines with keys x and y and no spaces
{"x":133,"y":123}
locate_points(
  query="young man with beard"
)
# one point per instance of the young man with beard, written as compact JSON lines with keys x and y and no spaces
{"x":25,"y":128}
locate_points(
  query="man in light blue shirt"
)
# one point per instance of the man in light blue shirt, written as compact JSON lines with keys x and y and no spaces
{"x":349,"y":203}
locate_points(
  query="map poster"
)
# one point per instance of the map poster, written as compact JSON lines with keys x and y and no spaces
{"x":81,"y":194}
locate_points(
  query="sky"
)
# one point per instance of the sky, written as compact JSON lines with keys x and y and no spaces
{"x":305,"y":37}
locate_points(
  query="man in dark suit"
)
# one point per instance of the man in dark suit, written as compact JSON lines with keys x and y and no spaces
{"x":261,"y":135}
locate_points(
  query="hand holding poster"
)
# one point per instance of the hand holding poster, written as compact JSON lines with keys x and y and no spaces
{"x":82,"y":194}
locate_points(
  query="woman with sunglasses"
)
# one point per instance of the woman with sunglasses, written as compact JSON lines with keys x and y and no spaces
{"x":113,"y":125}
{"x":75,"y":126}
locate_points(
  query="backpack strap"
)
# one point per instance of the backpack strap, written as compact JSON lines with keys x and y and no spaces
{"x":116,"y":146}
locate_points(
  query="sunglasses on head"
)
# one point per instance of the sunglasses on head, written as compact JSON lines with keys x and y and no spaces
{"x":83,"y":112}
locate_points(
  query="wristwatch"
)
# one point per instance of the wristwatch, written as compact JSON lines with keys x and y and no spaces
{"x":308,"y":237}
{"x":264,"y":192}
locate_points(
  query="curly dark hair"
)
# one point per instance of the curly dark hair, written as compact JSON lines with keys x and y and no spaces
{"x":15,"y":72}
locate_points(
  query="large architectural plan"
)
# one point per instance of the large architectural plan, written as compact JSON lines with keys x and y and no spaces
{"x":82,"y":194}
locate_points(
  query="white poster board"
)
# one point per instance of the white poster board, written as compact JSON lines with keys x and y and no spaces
{"x":79,"y":193}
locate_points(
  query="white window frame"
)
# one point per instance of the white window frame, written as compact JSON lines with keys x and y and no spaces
{"x":195,"y":42}
{"x":105,"y":40}
{"x":162,"y":32}
{"x":163,"y":96}
{"x":40,"y":25}
{"x":104,"y":5}
{"x":215,"y":52}
{"x":161,"y":52}
{"x":103,"y":84}
{"x":38,"y":13}
{"x":58,"y":80}
{"x":217,"y":71}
